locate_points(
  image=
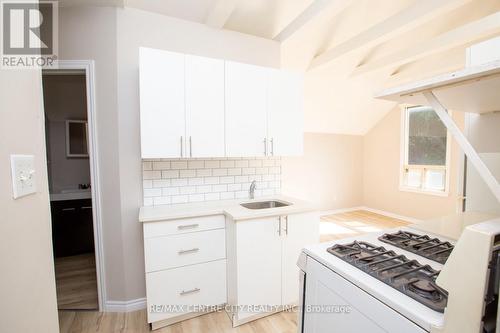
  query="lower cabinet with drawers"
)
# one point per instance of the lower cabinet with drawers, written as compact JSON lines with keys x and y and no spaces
{"x":185,"y":263}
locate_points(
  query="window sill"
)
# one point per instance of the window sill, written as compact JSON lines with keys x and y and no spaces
{"x":427,"y":192}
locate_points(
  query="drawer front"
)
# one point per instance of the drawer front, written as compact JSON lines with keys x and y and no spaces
{"x":186,"y":249}
{"x":203,"y":284}
{"x":182,"y":226}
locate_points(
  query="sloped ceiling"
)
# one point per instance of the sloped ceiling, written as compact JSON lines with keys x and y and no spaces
{"x":363,"y":55}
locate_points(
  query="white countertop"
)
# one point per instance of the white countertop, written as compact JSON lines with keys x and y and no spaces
{"x":230,"y":208}
{"x":71,"y":195}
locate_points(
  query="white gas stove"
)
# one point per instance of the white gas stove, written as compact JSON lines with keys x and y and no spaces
{"x":404,"y":280}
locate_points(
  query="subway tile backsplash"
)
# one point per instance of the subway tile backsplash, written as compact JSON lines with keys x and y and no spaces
{"x":171,"y":181}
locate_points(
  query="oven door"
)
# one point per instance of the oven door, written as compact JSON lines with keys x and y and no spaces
{"x":333,"y":304}
{"x":301,"y":262}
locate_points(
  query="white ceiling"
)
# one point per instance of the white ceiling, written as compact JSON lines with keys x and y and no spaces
{"x":399,"y":41}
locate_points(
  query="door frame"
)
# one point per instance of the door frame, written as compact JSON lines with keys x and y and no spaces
{"x":68,"y":66}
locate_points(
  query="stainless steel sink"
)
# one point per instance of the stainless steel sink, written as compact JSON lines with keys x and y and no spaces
{"x":265,"y":204}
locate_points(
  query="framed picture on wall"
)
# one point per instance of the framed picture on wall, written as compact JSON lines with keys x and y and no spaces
{"x":76,"y":139}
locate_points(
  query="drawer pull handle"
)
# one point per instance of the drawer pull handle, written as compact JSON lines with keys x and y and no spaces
{"x":68,"y":209}
{"x":187,"y":292}
{"x":87,"y":207}
{"x":188,"y":226}
{"x":189,"y":251}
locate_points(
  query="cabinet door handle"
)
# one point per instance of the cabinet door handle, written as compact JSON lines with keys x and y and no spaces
{"x":86,"y":207}
{"x":68,"y":209}
{"x":279,"y":227}
{"x":182,"y":147}
{"x":188,"y":226}
{"x":286,"y":225}
{"x":272,"y":146}
{"x":265,"y":146}
{"x":190,"y":148}
{"x":187,"y":292}
{"x":188,"y":251}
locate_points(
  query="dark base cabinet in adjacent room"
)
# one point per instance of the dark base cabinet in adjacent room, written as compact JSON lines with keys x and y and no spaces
{"x":72,"y":227}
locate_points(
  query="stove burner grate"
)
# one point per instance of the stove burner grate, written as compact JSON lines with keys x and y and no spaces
{"x":423,"y":245}
{"x":408,"y":276}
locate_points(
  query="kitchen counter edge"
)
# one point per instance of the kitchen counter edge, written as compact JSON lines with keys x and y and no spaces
{"x":229,"y":208}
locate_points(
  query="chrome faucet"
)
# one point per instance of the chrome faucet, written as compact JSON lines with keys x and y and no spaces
{"x":251,"y":192}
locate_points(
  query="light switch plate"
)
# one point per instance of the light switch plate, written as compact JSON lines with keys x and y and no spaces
{"x":23,"y":175}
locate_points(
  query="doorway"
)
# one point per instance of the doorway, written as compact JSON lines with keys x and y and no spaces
{"x":73,"y":185}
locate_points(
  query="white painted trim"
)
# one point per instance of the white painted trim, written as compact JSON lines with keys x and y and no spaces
{"x":464,"y":34}
{"x":468,"y":74}
{"x":68,"y":143}
{"x":403,"y":188}
{"x":88,"y":67}
{"x":219,"y":13}
{"x":311,"y":12}
{"x":126,"y":306}
{"x":403,"y":159}
{"x":340,"y":211}
{"x":471,"y":153}
{"x":412,"y":16}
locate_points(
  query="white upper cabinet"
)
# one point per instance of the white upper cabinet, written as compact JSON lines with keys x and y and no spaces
{"x":194,"y":106}
{"x":204,"y":107}
{"x":285,"y":113}
{"x":246,"y":110}
{"x":161,"y":79}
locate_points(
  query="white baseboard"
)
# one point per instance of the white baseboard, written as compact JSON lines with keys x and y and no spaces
{"x":125,"y":306}
{"x":373,"y":210}
{"x":340,"y":211}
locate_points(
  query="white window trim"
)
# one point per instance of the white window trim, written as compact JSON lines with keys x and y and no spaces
{"x":403,"y":158}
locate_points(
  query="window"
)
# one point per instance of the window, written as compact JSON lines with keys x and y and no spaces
{"x":425,"y":151}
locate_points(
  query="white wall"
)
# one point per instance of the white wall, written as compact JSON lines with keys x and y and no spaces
{"x":90,"y":33}
{"x":27,"y":283}
{"x":329,"y":174}
{"x":483,"y":132}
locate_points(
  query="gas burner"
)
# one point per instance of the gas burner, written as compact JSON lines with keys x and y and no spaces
{"x":408,"y":276}
{"x":426,"y":289}
{"x":423,"y":245}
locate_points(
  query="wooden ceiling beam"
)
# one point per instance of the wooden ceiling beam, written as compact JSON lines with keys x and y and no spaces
{"x":467,"y":33}
{"x":220,"y":13}
{"x":409,"y":18}
{"x":315,"y":8}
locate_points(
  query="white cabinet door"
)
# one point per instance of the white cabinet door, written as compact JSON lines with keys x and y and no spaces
{"x":161,"y":80}
{"x":204,"y":107}
{"x":246,"y":109}
{"x":285,"y":113}
{"x":299,"y":230}
{"x":258,"y":263}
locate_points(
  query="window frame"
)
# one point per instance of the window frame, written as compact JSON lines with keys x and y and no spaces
{"x":404,"y":160}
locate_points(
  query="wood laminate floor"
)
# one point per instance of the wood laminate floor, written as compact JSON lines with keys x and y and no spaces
{"x":350,"y":224}
{"x":76,"y":282}
{"x":332,"y":227}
